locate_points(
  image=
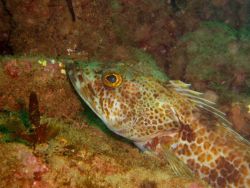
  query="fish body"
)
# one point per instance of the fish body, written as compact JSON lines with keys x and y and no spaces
{"x":136,"y":100}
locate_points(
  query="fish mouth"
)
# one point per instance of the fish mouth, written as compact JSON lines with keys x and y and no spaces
{"x":75,"y":74}
{"x":83,"y":86}
{"x":81,"y":82}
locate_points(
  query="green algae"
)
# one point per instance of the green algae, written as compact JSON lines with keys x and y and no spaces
{"x":217,"y":54}
{"x":10,"y":124}
{"x":115,"y":5}
{"x":244,"y":34}
{"x":156,"y":72}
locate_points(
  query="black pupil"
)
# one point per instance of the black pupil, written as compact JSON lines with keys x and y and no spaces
{"x":111,"y":78}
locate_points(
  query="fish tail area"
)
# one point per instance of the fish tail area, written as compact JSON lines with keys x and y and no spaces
{"x":215,"y":152}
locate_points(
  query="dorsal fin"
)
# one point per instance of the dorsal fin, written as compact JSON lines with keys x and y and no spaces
{"x":201,"y":102}
{"x":198,"y":99}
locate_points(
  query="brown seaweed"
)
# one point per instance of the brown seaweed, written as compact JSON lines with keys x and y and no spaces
{"x":29,"y":128}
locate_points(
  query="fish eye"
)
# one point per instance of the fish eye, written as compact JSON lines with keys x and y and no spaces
{"x":112,"y":79}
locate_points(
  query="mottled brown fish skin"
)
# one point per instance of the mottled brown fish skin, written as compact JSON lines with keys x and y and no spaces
{"x":158,"y":118}
{"x":219,"y":157}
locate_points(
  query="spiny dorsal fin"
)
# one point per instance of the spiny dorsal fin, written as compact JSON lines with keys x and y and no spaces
{"x":198,"y":99}
{"x":205,"y":104}
{"x":233,"y":134}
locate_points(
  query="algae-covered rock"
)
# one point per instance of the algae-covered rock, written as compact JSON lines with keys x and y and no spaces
{"x":84,"y":157}
{"x":218,"y":55}
{"x":79,"y":155}
{"x":20,"y":76}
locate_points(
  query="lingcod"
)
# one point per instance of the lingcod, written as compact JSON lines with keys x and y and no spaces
{"x":137,"y":100}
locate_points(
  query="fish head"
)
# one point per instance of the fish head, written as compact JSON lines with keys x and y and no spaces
{"x":122,"y":94}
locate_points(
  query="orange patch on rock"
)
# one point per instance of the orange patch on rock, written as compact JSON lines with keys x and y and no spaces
{"x":238,"y":118}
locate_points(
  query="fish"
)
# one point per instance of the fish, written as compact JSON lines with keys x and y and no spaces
{"x":166,"y":118}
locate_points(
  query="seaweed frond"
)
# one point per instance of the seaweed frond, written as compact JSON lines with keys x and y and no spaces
{"x":25,"y":125}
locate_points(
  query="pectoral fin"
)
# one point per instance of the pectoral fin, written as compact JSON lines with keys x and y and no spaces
{"x":161,"y":150}
{"x":179,"y":168}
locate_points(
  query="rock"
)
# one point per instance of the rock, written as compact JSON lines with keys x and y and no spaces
{"x":241,"y":119}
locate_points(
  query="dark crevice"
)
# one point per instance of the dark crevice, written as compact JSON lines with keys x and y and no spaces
{"x":6,"y":9}
{"x":5,"y":46}
{"x":71,"y":10}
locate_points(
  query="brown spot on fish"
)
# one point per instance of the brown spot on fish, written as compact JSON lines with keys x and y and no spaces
{"x":187,"y":133}
{"x":209,"y":157}
{"x":202,"y":158}
{"x":243,"y":170}
{"x":205,"y":170}
{"x":153,"y":143}
{"x":221,"y":181}
{"x":213,"y":175}
{"x":206,"y":145}
{"x":199,"y":140}
{"x":186,"y":150}
{"x":91,"y":89}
